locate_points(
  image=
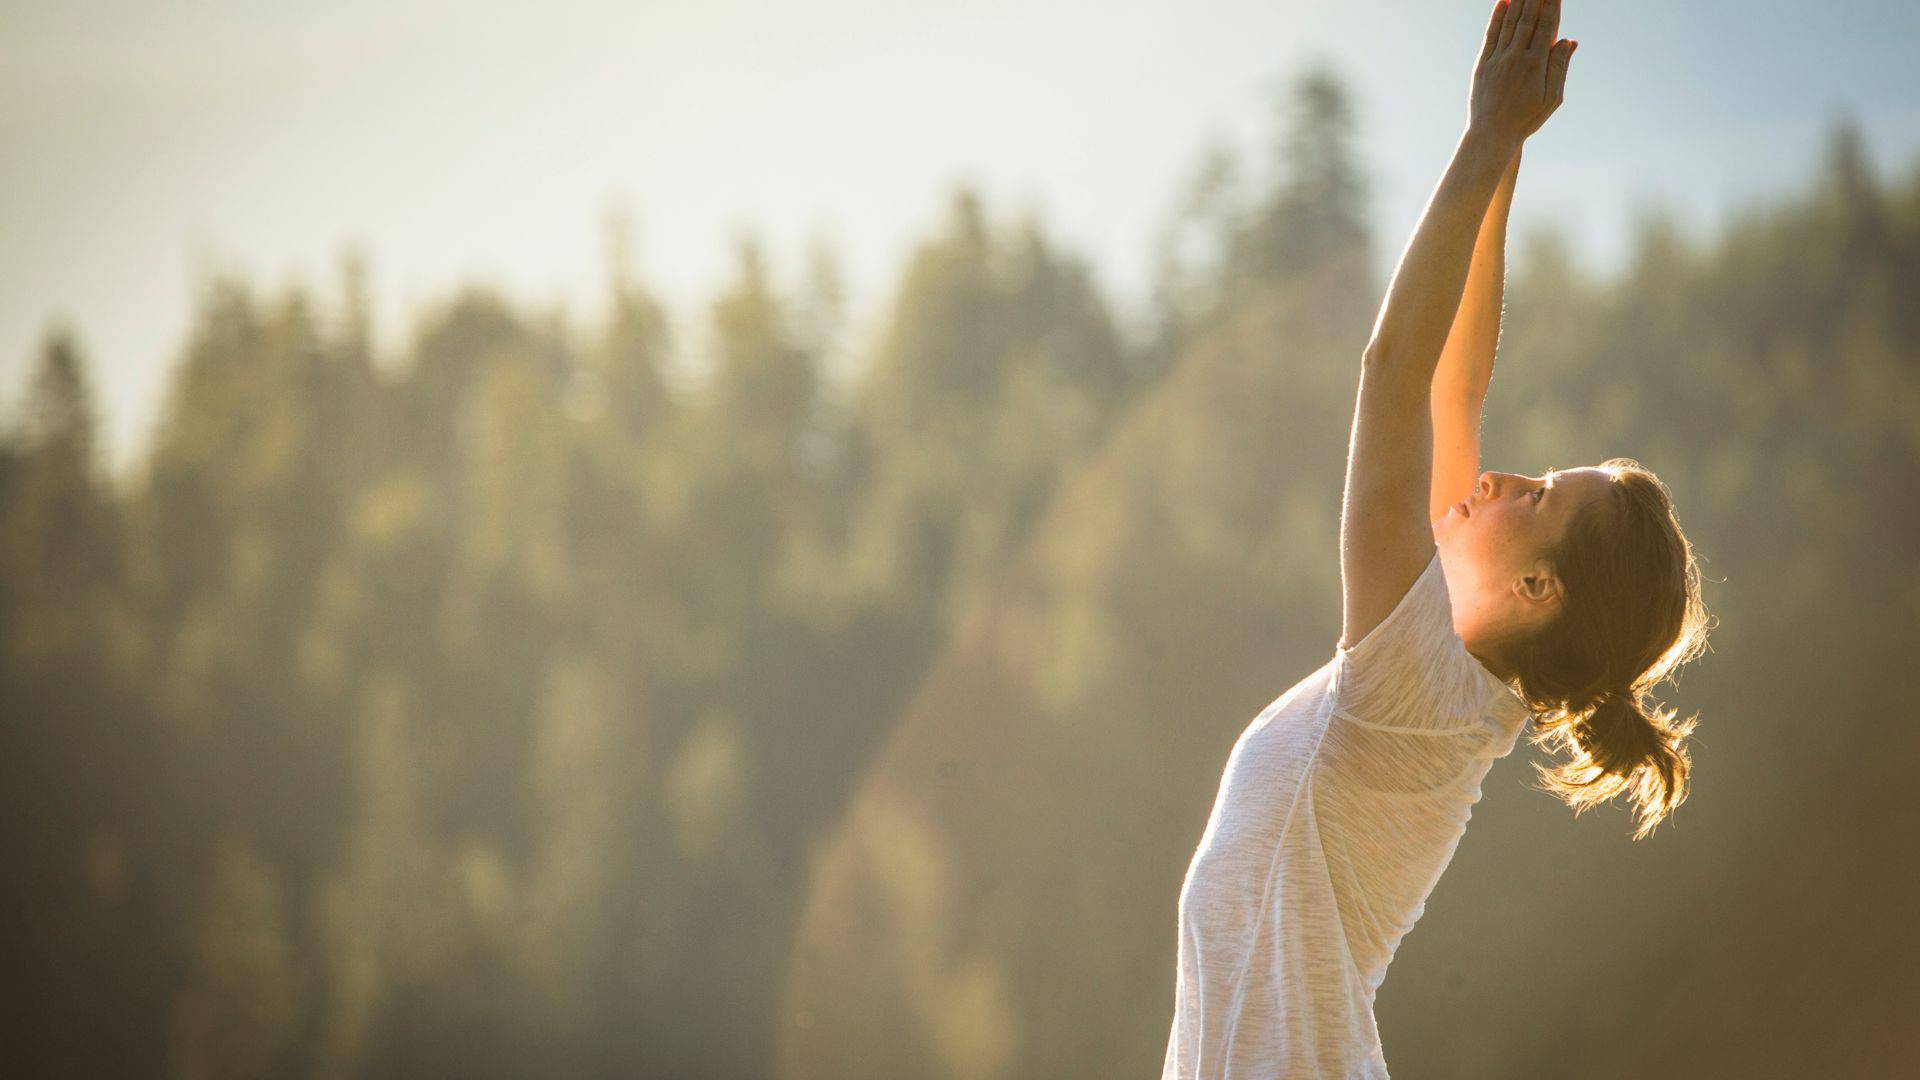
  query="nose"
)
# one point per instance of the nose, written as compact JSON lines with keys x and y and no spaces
{"x":1488,"y":484}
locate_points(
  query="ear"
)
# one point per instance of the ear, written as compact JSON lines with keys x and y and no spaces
{"x":1538,"y":585}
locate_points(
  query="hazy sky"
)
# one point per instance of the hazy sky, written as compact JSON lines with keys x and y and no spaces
{"x":484,"y":142}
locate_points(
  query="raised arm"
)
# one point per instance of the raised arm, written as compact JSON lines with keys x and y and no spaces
{"x":1386,"y":539}
{"x":1466,"y":363}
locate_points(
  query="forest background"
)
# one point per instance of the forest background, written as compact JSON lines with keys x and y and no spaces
{"x":516,"y":705}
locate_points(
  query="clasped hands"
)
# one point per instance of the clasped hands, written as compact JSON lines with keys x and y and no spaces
{"x":1521,"y":75}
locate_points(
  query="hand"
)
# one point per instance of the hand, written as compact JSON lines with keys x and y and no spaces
{"x":1522,"y":71}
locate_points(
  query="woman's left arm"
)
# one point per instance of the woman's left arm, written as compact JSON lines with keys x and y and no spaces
{"x":1466,"y":362}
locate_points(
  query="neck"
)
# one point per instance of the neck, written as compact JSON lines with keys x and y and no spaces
{"x":1495,"y":662}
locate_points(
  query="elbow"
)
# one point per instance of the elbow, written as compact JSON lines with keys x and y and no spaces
{"x":1384,"y":356}
{"x":1391,"y":371}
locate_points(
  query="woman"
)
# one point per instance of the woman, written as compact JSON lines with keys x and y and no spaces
{"x":1472,"y":603}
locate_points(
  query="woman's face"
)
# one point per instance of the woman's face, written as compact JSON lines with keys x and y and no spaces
{"x":1493,"y":545}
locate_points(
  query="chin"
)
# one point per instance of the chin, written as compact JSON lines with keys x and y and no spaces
{"x":1444,"y":548}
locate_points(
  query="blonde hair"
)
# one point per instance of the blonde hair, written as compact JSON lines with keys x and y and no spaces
{"x":1630,"y":616}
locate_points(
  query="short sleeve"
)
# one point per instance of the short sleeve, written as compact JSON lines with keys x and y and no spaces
{"x":1412,"y":672}
{"x":1412,"y":708}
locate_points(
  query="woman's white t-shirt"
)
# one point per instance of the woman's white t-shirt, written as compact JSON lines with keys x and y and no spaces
{"x":1340,"y":805}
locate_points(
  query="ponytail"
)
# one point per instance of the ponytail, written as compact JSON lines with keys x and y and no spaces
{"x":1616,"y":746}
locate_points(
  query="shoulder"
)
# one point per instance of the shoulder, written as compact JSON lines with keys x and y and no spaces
{"x":1418,"y":613}
{"x":1412,"y":669}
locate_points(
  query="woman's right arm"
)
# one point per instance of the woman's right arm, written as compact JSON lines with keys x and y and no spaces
{"x":1466,"y":363}
{"x":1386,"y":538}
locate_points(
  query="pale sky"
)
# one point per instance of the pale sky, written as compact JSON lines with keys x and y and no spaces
{"x":484,"y":142}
